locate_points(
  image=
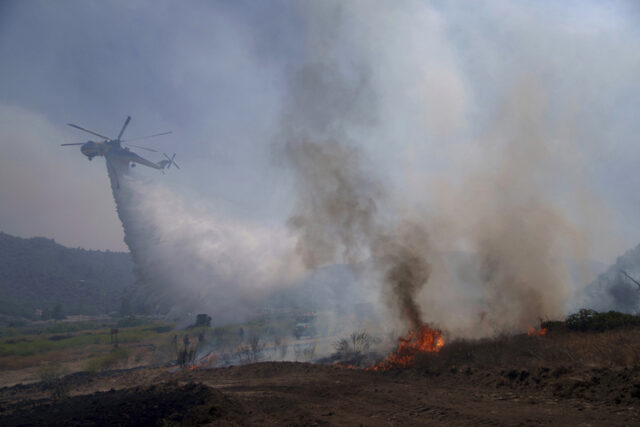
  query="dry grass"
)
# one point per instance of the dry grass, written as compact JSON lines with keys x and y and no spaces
{"x":616,"y":348}
{"x":117,"y":357}
{"x":51,"y":377}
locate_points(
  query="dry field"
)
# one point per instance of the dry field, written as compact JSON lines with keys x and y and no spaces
{"x":564,"y":378}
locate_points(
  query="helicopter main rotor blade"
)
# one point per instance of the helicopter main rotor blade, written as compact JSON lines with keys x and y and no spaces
{"x":87,"y":130}
{"x":141,"y":147}
{"x":126,"y":123}
{"x":145,"y":137}
{"x":75,"y":143}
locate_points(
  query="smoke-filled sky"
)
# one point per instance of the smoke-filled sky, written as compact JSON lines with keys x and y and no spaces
{"x":422,"y":88}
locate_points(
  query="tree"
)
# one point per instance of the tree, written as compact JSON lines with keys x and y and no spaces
{"x":125,"y":308}
{"x":58,"y":313}
{"x":203,"y":320}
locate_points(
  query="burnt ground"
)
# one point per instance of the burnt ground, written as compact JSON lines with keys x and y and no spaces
{"x":286,"y":393}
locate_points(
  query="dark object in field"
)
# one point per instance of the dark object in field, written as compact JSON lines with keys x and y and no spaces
{"x":304,"y":330}
{"x":59,"y":337}
{"x":203,"y":320}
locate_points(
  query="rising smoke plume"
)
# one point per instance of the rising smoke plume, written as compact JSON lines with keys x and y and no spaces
{"x":341,"y":212}
{"x":479,"y":248}
{"x":503,"y":213}
{"x":507,"y":213}
{"x":336,"y":220}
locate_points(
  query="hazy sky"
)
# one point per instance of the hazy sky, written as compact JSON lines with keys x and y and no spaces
{"x":217,"y":73}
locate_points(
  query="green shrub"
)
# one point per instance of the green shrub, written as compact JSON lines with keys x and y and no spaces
{"x":581,"y":320}
{"x":613,"y":320}
{"x":17,"y":323}
{"x":132,"y":321}
{"x":590,"y":320}
{"x":61,"y":327}
{"x":161,"y":329}
{"x":9,"y":332}
{"x":553,"y":325}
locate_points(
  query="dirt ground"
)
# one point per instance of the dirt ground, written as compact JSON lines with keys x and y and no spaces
{"x":286,"y":393}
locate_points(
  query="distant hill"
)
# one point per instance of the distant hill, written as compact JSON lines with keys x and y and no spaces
{"x":38,"y":273}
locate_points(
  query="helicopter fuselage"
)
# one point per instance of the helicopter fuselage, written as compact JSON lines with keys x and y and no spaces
{"x":92,"y":149}
{"x":113,"y":151}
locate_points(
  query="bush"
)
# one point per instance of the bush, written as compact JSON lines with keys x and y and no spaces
{"x":308,"y":353}
{"x":282,"y":346}
{"x":58,"y":312}
{"x":255,"y":347}
{"x":613,"y":320}
{"x":581,"y":320}
{"x":186,"y":356}
{"x":131,"y":321}
{"x":161,"y":329}
{"x":358,"y":342}
{"x":203,"y":320}
{"x":66,"y":327}
{"x":17,"y":323}
{"x":553,"y":325}
{"x":590,"y":320}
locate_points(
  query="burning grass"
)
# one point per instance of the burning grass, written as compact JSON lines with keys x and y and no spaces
{"x":586,"y":338}
{"x":422,"y":340}
{"x":533,"y":331}
{"x":613,"y":349}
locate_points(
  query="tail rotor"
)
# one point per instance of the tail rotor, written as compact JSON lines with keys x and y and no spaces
{"x":166,"y":164}
{"x":171,"y":161}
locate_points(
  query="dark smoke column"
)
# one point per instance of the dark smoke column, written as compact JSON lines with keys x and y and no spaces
{"x":336,"y":219}
{"x":402,"y":260}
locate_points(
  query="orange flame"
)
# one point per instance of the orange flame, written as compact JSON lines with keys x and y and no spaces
{"x":536,"y":332}
{"x":422,"y":340}
{"x":340,"y":365}
{"x":204,"y":363}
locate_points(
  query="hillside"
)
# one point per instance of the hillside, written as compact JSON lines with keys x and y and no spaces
{"x":38,"y":273}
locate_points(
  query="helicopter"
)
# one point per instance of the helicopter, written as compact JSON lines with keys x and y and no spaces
{"x":113,"y":151}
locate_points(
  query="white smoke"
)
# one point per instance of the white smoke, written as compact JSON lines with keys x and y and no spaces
{"x":188,"y":261}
